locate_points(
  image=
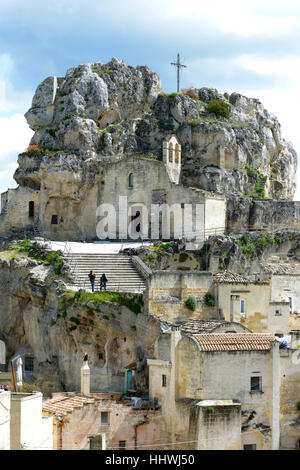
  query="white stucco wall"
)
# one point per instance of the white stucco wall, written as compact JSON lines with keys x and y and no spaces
{"x":288,"y":285}
{"x":4,"y":420}
{"x":29,"y":429}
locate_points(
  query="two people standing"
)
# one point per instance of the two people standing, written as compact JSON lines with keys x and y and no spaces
{"x":103,"y":281}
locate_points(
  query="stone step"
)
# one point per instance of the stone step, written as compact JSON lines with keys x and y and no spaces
{"x":120,"y":271}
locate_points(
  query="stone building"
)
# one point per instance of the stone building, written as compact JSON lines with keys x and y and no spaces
{"x":22,"y":425}
{"x":218,"y":390}
{"x":5,"y":401}
{"x":255,"y":304}
{"x":285,"y":282}
{"x":83,"y":422}
{"x":69,"y":205}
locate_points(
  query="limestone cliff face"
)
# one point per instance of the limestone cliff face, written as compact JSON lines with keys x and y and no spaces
{"x":34,"y":320}
{"x":109,"y":111}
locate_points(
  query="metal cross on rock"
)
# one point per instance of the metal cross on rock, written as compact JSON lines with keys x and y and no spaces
{"x":179,"y":66}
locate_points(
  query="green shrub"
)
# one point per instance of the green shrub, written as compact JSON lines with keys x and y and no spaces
{"x":191,"y":303}
{"x":183,"y":257}
{"x":249,"y":248}
{"x":57,"y":267}
{"x":298,"y":405}
{"x":134,"y":302}
{"x":209,"y":300}
{"x":260,"y":190}
{"x":75,"y":320}
{"x":51,"y":132}
{"x":219,"y":107}
{"x":266,"y":239}
{"x":193,"y":122}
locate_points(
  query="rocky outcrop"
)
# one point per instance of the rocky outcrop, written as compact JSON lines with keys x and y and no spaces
{"x":113,"y":110}
{"x":245,"y":254}
{"x":72,"y":113}
{"x":245,"y":213}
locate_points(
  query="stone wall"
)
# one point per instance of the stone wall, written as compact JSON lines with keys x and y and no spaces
{"x":260,"y":304}
{"x":124,"y":424}
{"x":31,"y":322}
{"x":289,"y":397}
{"x":219,"y":426}
{"x":168,"y":291}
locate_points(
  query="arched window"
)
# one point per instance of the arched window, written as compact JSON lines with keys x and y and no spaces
{"x":130,"y":180}
{"x":170,"y":152}
{"x":177,"y":153}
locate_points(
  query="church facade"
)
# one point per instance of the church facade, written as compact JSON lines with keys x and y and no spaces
{"x":141,"y":197}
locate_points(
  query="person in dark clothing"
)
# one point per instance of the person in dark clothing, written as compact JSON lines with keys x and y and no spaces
{"x":92,"y":278}
{"x":103,"y":282}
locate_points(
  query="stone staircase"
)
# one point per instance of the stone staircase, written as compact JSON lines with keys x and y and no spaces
{"x":120,"y":271}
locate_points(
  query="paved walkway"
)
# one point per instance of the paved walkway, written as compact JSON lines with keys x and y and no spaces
{"x":97,"y":247}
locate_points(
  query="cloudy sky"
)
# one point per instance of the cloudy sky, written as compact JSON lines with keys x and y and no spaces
{"x":247,"y":46}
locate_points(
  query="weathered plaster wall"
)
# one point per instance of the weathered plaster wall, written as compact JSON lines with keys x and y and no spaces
{"x":289,"y":397}
{"x":83,"y":422}
{"x":168,"y":291}
{"x":260,"y":309}
{"x":219,"y":427}
{"x":29,"y":429}
{"x":5,"y":420}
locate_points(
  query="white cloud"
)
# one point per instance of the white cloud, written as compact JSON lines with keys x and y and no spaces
{"x":288,"y":66}
{"x":245,"y":18}
{"x":11,"y":100}
{"x":14,"y":139}
{"x":14,"y":136}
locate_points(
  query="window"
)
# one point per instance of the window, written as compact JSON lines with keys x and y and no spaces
{"x":164,"y":380}
{"x":31,"y":209}
{"x":130,"y":180}
{"x":256,"y":384}
{"x":278,"y":312}
{"x":170,"y":153}
{"x":104,"y":418}
{"x":122,"y":445}
{"x":249,"y":446}
{"x":96,"y":442}
{"x":177,"y":153}
{"x":243,"y":308}
{"x":54,"y":220}
{"x":29,"y":363}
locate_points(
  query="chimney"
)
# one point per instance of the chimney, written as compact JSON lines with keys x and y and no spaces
{"x":235,"y":308}
{"x":85,"y":376}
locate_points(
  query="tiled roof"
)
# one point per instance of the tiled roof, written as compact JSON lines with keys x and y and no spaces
{"x":230,"y":277}
{"x":235,"y":341}
{"x":282,"y":268}
{"x":206,"y":326}
{"x":63,"y":405}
